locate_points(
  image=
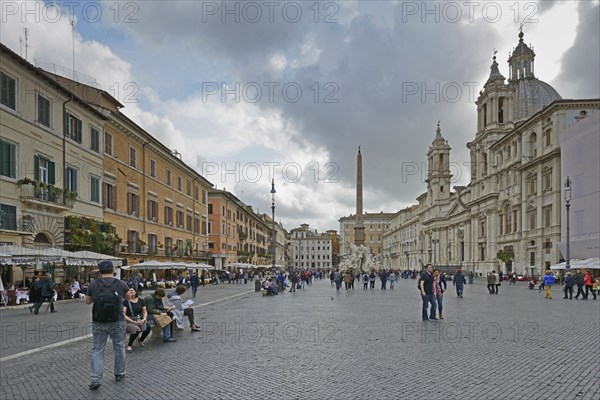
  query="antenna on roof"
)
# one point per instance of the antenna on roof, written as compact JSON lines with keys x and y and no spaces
{"x":73,"y":42}
{"x":24,"y":42}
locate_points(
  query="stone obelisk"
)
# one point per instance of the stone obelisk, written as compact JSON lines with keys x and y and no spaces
{"x":359,"y":225}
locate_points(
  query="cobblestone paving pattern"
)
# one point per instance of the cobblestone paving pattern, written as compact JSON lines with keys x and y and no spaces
{"x":362,"y":344}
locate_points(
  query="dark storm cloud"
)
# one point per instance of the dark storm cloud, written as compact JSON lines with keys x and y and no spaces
{"x":580,"y":73}
{"x":375,"y":57}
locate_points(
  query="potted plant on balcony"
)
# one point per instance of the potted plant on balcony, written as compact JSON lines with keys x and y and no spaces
{"x":70,"y":196}
{"x":24,"y":181}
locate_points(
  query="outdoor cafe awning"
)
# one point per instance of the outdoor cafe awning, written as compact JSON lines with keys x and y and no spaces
{"x":156,"y":265}
{"x":90,"y":258}
{"x":241,"y":265}
{"x":199,"y":266}
{"x":590,"y":263}
{"x":17,"y":255}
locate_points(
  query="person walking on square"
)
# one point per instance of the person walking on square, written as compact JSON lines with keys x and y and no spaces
{"x":372,"y":279}
{"x":579,"y":280}
{"x":458,"y":282}
{"x":588,"y":280}
{"x":491,"y":282}
{"x":107,"y":295}
{"x":471,"y":276}
{"x":337,"y":277}
{"x":498,"y":281}
{"x":438,"y":291}
{"x":365,"y":281}
{"x":35,"y":292}
{"x":383,"y":276}
{"x":194,"y":283}
{"x":548,"y":282}
{"x":47,"y":294}
{"x":427,"y":295}
{"x":392,"y":280}
{"x":569,"y":283}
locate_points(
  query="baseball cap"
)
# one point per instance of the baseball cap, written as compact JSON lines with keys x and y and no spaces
{"x":105,"y":266}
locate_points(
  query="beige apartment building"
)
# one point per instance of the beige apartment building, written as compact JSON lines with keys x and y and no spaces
{"x":50,"y":157}
{"x":375,"y":225}
{"x":156,"y":203}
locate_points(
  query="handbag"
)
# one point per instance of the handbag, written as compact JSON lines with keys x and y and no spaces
{"x":134,"y":328}
{"x":162,"y":320}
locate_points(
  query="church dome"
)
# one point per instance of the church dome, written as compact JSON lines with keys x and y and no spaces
{"x":531,"y":95}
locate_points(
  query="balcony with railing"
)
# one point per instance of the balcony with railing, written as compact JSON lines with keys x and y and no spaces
{"x":16,"y":223}
{"x":47,"y":195}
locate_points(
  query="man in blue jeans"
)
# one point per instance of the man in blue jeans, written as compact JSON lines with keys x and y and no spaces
{"x":100,"y":288}
{"x":426,"y":286}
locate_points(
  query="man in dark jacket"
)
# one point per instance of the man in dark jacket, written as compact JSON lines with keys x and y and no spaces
{"x":569,"y":283}
{"x":194,"y":283}
{"x":579,"y":282}
{"x":459,"y":281}
{"x":47,"y":294}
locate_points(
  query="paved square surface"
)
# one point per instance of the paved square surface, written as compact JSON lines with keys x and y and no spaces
{"x":318,"y":343}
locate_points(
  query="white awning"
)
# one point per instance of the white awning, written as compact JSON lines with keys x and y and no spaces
{"x":590,"y":263}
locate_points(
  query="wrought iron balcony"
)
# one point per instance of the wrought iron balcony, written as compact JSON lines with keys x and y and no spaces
{"x":49,"y":196}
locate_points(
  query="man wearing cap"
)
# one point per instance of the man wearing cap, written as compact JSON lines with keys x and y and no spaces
{"x":102,"y":330}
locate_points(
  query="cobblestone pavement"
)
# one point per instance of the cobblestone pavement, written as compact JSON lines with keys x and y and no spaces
{"x":362,"y":344}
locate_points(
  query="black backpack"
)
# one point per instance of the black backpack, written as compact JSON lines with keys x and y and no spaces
{"x":36,"y":290}
{"x":107,"y":304}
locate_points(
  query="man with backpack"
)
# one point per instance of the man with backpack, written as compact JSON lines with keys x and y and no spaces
{"x":107,"y":294}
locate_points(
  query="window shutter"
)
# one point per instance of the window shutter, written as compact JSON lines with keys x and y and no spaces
{"x":104,"y":194}
{"x":129,"y":203}
{"x":36,"y":167}
{"x":7,"y":159}
{"x":4,"y":159}
{"x":79,"y":130}
{"x":66,"y":123}
{"x":113,"y":194}
{"x":137,"y":204}
{"x":51,"y":175}
{"x":149,"y":209}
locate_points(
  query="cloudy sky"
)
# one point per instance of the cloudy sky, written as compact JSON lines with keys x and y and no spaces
{"x":248,"y":91}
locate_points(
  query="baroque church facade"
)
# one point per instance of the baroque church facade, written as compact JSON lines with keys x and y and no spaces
{"x":512,"y":204}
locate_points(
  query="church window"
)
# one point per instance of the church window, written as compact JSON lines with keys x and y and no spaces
{"x":507,"y":218}
{"x":532,"y":218}
{"x":441,"y":189}
{"x":547,"y":216}
{"x":548,"y":137}
{"x":485,"y":165}
{"x":484,"y":112}
{"x":533,"y":145}
{"x":501,"y":110}
{"x":547,"y":179}
{"x":532,"y":185}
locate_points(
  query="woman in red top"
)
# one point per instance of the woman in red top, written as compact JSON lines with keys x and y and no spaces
{"x":588,"y":281}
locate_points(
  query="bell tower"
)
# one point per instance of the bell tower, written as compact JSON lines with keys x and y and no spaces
{"x":438,"y":168}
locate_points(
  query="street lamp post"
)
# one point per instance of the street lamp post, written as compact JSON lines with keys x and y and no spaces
{"x":435,"y":242}
{"x":568,"y":205}
{"x":273,"y":216}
